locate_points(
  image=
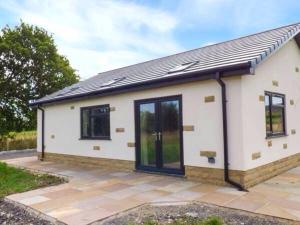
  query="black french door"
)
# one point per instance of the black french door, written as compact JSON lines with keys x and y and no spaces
{"x":158,"y":124}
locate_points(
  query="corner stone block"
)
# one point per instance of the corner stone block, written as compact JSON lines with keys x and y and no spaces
{"x":188,"y":128}
{"x":275,"y":83}
{"x":209,"y":99}
{"x":208,"y":153}
{"x":96,"y":148}
{"x":261,"y":98}
{"x":131,"y":144}
{"x":120,"y":130}
{"x":256,"y":155}
{"x":269,"y":143}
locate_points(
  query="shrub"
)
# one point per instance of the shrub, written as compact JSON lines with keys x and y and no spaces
{"x":18,"y":141}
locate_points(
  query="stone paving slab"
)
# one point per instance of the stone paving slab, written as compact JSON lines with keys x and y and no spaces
{"x":93,"y":193}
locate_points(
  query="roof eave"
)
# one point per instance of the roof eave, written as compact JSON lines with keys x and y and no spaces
{"x":233,"y":70}
{"x":292,"y":34}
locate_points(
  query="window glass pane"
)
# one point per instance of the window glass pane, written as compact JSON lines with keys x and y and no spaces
{"x":277,"y":120}
{"x":267,"y":100}
{"x":85,"y":122}
{"x":147,"y":134}
{"x":99,"y":110}
{"x":170,"y":128}
{"x":267,"y":109}
{"x":276,"y":100}
{"x":268,"y":121}
{"x":100,"y":126}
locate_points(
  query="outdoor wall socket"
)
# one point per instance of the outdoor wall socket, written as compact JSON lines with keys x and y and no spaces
{"x":211,"y":160}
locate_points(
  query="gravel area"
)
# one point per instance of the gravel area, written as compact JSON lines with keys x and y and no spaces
{"x":166,"y":214}
{"x":13,"y":215}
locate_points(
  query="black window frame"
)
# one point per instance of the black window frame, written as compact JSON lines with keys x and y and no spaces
{"x":271,"y":106}
{"x":90,"y":137}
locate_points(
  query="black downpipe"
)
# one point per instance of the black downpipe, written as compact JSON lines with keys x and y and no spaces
{"x":225,"y":134}
{"x":43,"y":133}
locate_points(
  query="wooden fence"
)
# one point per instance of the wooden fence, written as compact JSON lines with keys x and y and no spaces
{"x":18,"y":144}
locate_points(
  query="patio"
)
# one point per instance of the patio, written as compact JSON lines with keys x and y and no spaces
{"x":93,"y":194}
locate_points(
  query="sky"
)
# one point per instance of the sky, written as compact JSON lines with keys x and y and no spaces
{"x":100,"y":35}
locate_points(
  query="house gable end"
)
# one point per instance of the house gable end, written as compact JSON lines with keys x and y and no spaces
{"x":297,"y":39}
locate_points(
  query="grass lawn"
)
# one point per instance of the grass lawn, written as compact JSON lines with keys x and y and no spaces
{"x":14,"y":180}
{"x":190,"y":221}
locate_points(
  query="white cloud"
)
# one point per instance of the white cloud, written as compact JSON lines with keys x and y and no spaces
{"x":98,"y":35}
{"x":236,"y":16}
{"x":101,"y":35}
{"x":94,"y":61}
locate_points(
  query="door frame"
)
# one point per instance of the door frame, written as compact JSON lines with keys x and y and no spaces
{"x":138,"y":166}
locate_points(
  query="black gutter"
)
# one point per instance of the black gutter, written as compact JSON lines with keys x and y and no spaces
{"x":297,"y":39}
{"x":43,"y":132}
{"x":233,"y":70}
{"x":225,"y":134}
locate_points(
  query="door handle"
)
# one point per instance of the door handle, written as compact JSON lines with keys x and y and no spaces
{"x":159,"y":136}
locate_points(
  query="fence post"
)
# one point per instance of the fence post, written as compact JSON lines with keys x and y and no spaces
{"x":7,"y":144}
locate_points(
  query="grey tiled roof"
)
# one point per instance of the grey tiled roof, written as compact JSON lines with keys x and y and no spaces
{"x":251,"y":49}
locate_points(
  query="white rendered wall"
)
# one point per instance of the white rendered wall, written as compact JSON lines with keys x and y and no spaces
{"x":39,"y":130}
{"x":281,"y":68}
{"x":246,"y":118}
{"x":64,"y":123}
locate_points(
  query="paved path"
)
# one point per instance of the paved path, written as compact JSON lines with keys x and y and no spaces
{"x":93,"y":194}
{"x":17,"y":154}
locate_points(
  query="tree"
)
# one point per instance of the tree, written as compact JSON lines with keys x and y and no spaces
{"x":30,"y":68}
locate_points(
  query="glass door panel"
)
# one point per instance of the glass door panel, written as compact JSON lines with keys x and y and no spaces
{"x":159,"y":135}
{"x":170,"y":134}
{"x":147,"y":134}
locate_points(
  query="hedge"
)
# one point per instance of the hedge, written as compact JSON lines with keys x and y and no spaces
{"x":18,"y":141}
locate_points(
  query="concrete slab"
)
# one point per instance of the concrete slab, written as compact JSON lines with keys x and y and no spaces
{"x":93,"y":194}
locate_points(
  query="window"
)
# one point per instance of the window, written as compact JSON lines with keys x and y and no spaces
{"x":95,"y":122}
{"x":110,"y":82}
{"x":68,"y":90}
{"x":275,"y":114}
{"x":182,"y":67}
